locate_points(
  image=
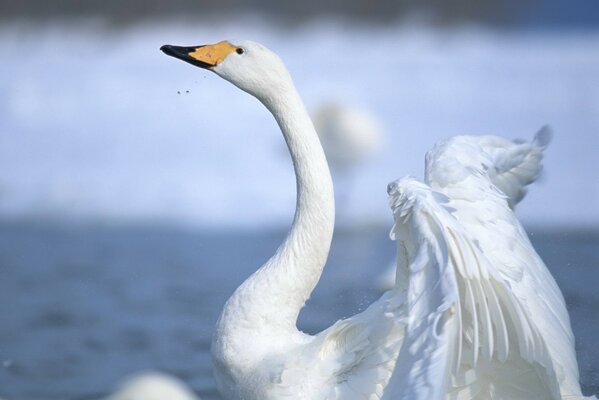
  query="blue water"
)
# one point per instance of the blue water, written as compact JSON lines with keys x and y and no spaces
{"x":83,"y":306}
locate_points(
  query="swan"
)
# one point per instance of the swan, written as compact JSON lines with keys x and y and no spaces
{"x":348,"y":135}
{"x":474,"y":313}
{"x":152,"y":385}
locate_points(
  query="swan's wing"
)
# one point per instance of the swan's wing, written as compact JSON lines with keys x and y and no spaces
{"x":351,"y":360}
{"x":516,"y":164}
{"x":424,"y":269}
{"x":509,"y":165}
{"x":467,"y":334}
{"x":460,"y":169}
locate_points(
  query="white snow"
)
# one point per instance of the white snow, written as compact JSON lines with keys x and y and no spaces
{"x":92,"y":125}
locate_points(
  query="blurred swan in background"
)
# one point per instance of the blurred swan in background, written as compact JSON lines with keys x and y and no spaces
{"x":516,"y":164}
{"x":466,"y":319}
{"x":152,"y":385}
{"x":349,"y":136}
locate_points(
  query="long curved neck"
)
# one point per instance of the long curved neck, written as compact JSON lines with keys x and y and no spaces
{"x":274,"y":295}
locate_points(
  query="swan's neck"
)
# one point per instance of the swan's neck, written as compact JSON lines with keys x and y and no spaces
{"x":273,"y":296}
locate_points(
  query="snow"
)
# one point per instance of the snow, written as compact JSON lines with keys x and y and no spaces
{"x":98,"y":124}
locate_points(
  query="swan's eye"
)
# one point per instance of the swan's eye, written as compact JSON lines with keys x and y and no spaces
{"x":239,"y":50}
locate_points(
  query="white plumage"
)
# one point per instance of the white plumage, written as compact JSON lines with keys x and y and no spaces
{"x":474,"y":313}
{"x":510,"y":165}
{"x":509,"y":330}
{"x":348,"y":134}
{"x":152,"y":385}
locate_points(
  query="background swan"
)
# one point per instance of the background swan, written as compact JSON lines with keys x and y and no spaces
{"x":453,"y":325}
{"x":349,"y":135}
{"x":152,"y":385}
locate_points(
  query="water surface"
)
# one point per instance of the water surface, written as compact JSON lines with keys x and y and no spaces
{"x":83,"y":306}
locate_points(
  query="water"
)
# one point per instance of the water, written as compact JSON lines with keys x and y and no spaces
{"x":82,"y":306}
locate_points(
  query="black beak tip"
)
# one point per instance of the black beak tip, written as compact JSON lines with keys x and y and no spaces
{"x":182,"y":53}
{"x":167,"y":49}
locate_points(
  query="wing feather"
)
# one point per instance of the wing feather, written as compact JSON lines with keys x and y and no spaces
{"x":354,"y":358}
{"x":485,"y":328}
{"x":425,"y":362}
{"x":510,"y":166}
{"x":484,"y":178}
{"x":499,"y":324}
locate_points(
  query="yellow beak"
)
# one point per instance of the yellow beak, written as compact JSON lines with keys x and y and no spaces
{"x":206,"y":56}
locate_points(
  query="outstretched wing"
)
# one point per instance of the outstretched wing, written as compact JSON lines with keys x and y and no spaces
{"x":509,"y":165}
{"x":468,"y":335}
{"x":481,"y":191}
{"x":424,"y":365}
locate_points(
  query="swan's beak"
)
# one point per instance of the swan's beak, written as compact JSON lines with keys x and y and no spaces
{"x":206,"y":56}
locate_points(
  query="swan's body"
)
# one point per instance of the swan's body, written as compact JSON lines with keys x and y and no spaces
{"x":152,"y":386}
{"x":409,"y":343}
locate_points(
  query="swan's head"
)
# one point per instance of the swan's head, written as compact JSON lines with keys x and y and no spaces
{"x":248,"y":65}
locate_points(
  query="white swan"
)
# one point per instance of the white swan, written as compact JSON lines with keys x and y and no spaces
{"x":348,"y":134}
{"x":152,"y":385}
{"x":467,"y":319}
